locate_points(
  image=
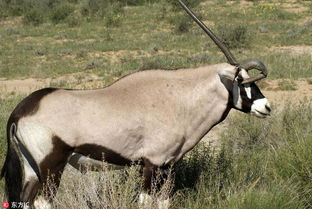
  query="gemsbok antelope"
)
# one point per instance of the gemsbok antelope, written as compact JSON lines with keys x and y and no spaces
{"x":153,"y":117}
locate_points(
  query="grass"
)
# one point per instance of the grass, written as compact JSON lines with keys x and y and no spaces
{"x":287,"y":85}
{"x":40,"y":49}
{"x":105,"y":189}
{"x":263,"y":164}
{"x":277,"y":172}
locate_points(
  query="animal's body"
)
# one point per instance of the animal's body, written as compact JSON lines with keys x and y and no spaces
{"x":153,"y":117}
{"x":138,"y":117}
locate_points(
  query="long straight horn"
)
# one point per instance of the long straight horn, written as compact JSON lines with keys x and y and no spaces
{"x":231,"y":59}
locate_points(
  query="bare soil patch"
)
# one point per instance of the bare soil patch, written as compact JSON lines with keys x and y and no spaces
{"x":12,"y":21}
{"x":281,"y":97}
{"x":294,"y":49}
{"x":26,"y":86}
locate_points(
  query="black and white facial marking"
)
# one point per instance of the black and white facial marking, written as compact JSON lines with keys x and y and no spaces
{"x":248,"y":97}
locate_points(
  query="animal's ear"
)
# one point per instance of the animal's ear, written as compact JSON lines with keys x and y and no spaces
{"x":227,"y":78}
{"x":227,"y":74}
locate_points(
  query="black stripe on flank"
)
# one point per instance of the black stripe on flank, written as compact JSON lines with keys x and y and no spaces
{"x":53,"y":164}
{"x":101,"y":153}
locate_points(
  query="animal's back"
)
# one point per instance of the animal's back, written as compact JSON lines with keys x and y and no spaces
{"x":135,"y":111}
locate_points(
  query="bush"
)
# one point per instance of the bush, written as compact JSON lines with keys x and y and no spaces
{"x":60,"y":13}
{"x":72,"y":20}
{"x":3,"y":10}
{"x":113,"y":14}
{"x":190,"y":3}
{"x":234,"y":36}
{"x":136,"y":2}
{"x":181,"y":23}
{"x":105,"y":189}
{"x":34,"y":17}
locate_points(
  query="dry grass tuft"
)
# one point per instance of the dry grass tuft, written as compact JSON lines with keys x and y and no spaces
{"x":106,"y":189}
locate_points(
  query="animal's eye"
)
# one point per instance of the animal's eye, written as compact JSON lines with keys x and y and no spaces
{"x":239,"y":79}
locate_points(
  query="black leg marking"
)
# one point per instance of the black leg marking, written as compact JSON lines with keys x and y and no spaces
{"x":148,"y":175}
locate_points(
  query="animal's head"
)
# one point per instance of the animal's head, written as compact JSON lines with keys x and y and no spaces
{"x":245,"y":94}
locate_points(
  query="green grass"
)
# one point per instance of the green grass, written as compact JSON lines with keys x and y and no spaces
{"x":49,"y":50}
{"x":263,"y":164}
{"x":287,"y":85}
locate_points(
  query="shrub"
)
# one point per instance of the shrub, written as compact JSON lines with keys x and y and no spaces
{"x":60,"y":13}
{"x":16,"y":8}
{"x":136,"y":2}
{"x":105,"y":189}
{"x":72,"y":20}
{"x":190,"y":3}
{"x":93,"y":6}
{"x":34,"y":17}
{"x":181,"y":23}
{"x":3,"y":10}
{"x":235,"y":36}
{"x":179,"y":19}
{"x":113,"y":14}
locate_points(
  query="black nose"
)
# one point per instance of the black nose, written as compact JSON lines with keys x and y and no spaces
{"x":268,"y":108}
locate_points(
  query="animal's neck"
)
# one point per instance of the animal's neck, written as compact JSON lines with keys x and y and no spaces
{"x":208,"y":106}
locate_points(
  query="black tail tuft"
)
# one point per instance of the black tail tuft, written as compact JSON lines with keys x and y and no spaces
{"x":13,"y":176}
{"x":12,"y":168}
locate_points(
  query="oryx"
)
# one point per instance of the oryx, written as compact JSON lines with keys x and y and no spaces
{"x":153,"y":117}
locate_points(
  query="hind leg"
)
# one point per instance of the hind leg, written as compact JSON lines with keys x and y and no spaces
{"x":41,"y":194}
{"x":48,"y":189}
{"x":30,"y":185}
{"x":52,"y":167}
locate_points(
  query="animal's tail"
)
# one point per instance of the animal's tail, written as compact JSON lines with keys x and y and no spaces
{"x":12,"y":168}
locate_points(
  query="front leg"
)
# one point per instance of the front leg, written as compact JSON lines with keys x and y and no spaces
{"x":149,"y":178}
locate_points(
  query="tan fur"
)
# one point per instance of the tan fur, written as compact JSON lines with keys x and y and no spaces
{"x":155,"y":114}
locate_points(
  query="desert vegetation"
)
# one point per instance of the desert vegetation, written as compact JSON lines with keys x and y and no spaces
{"x":257,"y":163}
